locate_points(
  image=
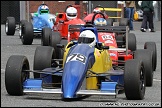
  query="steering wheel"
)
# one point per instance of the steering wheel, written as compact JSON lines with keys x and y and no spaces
{"x":99,"y":6}
{"x":68,"y":7}
{"x":92,"y":21}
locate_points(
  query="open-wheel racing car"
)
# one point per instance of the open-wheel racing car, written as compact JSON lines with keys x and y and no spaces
{"x":118,"y":40}
{"x":27,"y":30}
{"x":89,"y":17}
{"x":85,"y":59}
{"x":60,"y":33}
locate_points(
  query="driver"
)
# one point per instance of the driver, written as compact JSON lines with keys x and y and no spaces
{"x":43,"y":9}
{"x":100,"y":22}
{"x":71,"y":13}
{"x":88,"y":37}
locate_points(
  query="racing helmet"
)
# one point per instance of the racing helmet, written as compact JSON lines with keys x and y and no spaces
{"x":88,"y":37}
{"x":44,"y":9}
{"x":96,"y":10}
{"x":71,"y":13}
{"x":100,"y":22}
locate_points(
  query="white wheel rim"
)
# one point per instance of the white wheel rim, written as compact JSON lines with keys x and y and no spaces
{"x":20,"y":31}
{"x":6,"y":27}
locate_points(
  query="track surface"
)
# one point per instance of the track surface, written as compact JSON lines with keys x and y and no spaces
{"x":11,"y":45}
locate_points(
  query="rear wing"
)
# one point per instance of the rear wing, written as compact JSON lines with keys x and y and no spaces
{"x":109,"y":29}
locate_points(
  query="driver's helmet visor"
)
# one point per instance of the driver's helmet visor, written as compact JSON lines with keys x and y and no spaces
{"x":85,"y":40}
{"x":44,"y":11}
{"x":71,"y":14}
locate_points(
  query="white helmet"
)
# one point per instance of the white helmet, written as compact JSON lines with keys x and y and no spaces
{"x":71,"y":13}
{"x":96,"y":10}
{"x":87,"y":37}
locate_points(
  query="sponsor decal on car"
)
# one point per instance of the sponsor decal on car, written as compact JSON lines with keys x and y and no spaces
{"x":107,"y":37}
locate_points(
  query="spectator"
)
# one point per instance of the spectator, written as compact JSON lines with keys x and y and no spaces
{"x":130,"y":8}
{"x":148,"y":13}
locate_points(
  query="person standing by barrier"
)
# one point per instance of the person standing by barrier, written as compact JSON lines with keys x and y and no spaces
{"x":148,"y":13}
{"x":130,"y":8}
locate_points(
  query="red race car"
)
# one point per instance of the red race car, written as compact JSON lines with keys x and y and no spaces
{"x":88,"y":17}
{"x":60,"y":33}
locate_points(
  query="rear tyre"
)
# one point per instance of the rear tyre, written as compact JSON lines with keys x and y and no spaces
{"x":120,"y":40}
{"x":146,"y":56}
{"x":55,"y":39}
{"x":27,"y":34}
{"x":10,"y":26}
{"x":63,"y":42}
{"x":14,"y":74}
{"x":134,"y":79}
{"x":132,"y":42}
{"x":152,"y":47}
{"x":43,"y":58}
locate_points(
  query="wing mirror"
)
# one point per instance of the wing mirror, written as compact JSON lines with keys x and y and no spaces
{"x":105,"y":47}
{"x":100,"y":46}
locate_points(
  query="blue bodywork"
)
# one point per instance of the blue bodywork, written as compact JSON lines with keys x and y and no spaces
{"x":79,"y":59}
{"x":75,"y":69}
{"x":41,"y":21}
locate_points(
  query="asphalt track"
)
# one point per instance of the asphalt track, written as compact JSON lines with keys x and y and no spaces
{"x":11,"y":45}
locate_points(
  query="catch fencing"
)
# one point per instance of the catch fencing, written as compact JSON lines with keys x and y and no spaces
{"x":22,"y":9}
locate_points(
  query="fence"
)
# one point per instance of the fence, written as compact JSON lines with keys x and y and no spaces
{"x":10,"y":8}
{"x":22,"y":9}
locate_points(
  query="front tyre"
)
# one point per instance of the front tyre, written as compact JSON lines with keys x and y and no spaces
{"x":27,"y":34}
{"x":15,"y":74}
{"x":134,"y":79}
{"x":46,"y":34}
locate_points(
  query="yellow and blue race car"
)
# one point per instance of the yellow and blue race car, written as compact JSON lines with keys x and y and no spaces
{"x":86,"y":60}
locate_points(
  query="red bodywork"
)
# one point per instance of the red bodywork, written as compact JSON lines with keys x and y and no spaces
{"x":89,"y":17}
{"x":61,"y":25}
{"x":109,"y":40}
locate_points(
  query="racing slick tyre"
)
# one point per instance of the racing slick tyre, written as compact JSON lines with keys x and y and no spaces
{"x":152,"y":46}
{"x":109,"y":22}
{"x":27,"y":34}
{"x":132,"y":42}
{"x":146,"y":56}
{"x":43,"y":58}
{"x":10,"y":26}
{"x":63,"y":42}
{"x":123,"y":22}
{"x":119,"y":40}
{"x":15,"y":74}
{"x":134,"y":79}
{"x":55,"y":39}
{"x":21,"y":24}
{"x":46,"y":34}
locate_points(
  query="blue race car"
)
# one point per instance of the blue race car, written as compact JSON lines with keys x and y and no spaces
{"x":86,"y":60}
{"x":27,"y":30}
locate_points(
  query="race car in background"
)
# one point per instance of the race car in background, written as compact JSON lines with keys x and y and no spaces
{"x":84,"y":60}
{"x":60,"y":33}
{"x":120,"y":40}
{"x":88,"y":17}
{"x":28,"y":30}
